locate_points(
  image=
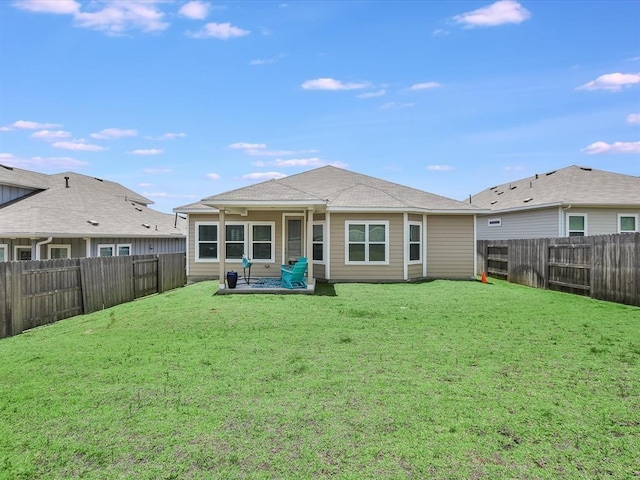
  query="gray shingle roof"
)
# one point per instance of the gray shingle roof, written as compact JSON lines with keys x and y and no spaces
{"x":66,"y":212}
{"x":567,"y":186}
{"x":339,"y":188}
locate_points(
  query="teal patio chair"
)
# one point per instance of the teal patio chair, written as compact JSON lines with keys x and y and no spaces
{"x":293,"y":276}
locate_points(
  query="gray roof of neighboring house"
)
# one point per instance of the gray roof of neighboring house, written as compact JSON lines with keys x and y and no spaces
{"x":59,"y":211}
{"x":567,"y":186}
{"x":339,"y":189}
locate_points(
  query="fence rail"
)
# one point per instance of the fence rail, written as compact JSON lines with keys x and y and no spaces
{"x":37,"y":292}
{"x":606,"y":267}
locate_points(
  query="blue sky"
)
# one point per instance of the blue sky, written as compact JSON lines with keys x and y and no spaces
{"x":180,"y":100}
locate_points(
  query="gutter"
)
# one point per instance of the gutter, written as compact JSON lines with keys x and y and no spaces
{"x":39,"y":244}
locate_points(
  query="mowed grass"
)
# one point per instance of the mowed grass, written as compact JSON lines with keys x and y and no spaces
{"x":439,"y":380}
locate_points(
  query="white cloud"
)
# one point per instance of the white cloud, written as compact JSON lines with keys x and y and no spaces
{"x":146,"y":151}
{"x":213,"y":176}
{"x":171,"y":136}
{"x":119,"y":16}
{"x":633,"y":118}
{"x":440,"y":33}
{"x":195,"y":10}
{"x":378,"y":93}
{"x":78,"y":145}
{"x":50,"y":135}
{"x":616,"y":147}
{"x":41,"y":162}
{"x":499,"y":13}
{"x":612,"y":81}
{"x":222,"y":31}
{"x":424,"y":86}
{"x":263,"y":175}
{"x":167,"y":195}
{"x":28,"y":125}
{"x":157,"y":170}
{"x":390,"y":105}
{"x":332,"y":84}
{"x":48,"y":6}
{"x":439,"y":168}
{"x":109,"y":133}
{"x":298,"y":162}
{"x":245,"y":145}
{"x":273,"y":153}
{"x":268,"y":61}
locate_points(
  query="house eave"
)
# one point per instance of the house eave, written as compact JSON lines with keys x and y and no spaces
{"x":432,"y":211}
{"x":526,"y":207}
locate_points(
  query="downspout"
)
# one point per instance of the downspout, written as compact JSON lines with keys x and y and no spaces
{"x":39,"y":244}
{"x":563,"y":229}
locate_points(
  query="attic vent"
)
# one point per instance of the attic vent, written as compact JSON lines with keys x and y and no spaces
{"x":139,"y":209}
{"x":550,"y":173}
{"x":586,"y":169}
{"x":494,"y":202}
{"x":99,"y":179}
{"x":512,"y":187}
{"x":146,"y":225}
{"x":4,"y":166}
{"x":93,"y":222}
{"x":527,"y":200}
{"x":493,"y":188}
{"x":500,"y":193}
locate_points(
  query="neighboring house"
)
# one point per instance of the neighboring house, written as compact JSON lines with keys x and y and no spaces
{"x":572,"y":201}
{"x":352,"y":227}
{"x":71,"y":215}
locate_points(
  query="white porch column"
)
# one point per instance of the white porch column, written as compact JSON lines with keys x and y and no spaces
{"x":87,"y":252}
{"x":222,"y":246}
{"x":310,"y":244}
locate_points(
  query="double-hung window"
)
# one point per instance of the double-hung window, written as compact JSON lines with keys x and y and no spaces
{"x":22,"y":252}
{"x":114,"y":249}
{"x":576,"y":225}
{"x":206,"y":242}
{"x":262,"y":243}
{"x":59,"y":251}
{"x":627,"y":222}
{"x":367,"y":242}
{"x":235,"y":242}
{"x":4,"y":252}
{"x":318,"y":242}
{"x":415,"y":242}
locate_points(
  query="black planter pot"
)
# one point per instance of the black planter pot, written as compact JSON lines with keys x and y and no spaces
{"x":232,"y":279}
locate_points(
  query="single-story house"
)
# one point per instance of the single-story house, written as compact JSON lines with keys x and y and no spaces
{"x":572,"y":201}
{"x":351,"y":227}
{"x":68,"y":215}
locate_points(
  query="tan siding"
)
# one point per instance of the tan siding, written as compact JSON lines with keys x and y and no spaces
{"x":415,"y":218}
{"x":367,"y":273}
{"x":319,"y":271}
{"x":450,"y":246}
{"x":415,"y":272}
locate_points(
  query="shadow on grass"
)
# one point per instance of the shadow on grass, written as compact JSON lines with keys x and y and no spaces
{"x":325,"y":290}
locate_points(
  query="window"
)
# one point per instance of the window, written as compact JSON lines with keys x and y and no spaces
{"x":318,"y":242}
{"x":112,"y":249}
{"x":4,"y":252}
{"x":22,"y":252}
{"x":494,"y":222}
{"x":59,"y":251}
{"x":415,"y":242}
{"x":366,"y":242}
{"x":576,"y":225}
{"x":262,"y":244}
{"x":106,"y":250}
{"x":206,"y":242}
{"x":627,"y":222}
{"x":235,"y":241}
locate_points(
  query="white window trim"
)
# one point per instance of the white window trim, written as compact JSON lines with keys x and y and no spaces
{"x":634,"y":215}
{"x":5,"y":248}
{"x":123,"y":245}
{"x":494,"y":222}
{"x":409,"y":242}
{"x":366,"y":223}
{"x":196,"y":253}
{"x":17,"y":248}
{"x":248,"y":242}
{"x":324,"y":243}
{"x":576,"y":214}
{"x":51,"y":246}
{"x":249,"y":239}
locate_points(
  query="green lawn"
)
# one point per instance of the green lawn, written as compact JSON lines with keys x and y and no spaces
{"x":438,"y":380}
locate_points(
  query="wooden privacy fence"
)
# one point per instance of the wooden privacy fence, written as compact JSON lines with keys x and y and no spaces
{"x":37,"y":292}
{"x":606,"y":267}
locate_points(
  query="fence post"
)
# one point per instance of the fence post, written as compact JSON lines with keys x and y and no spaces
{"x":15,"y":284}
